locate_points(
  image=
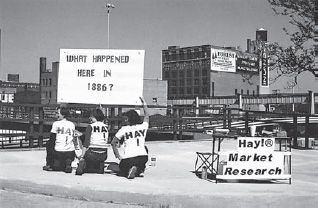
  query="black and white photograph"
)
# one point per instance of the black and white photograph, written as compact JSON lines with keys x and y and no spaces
{"x":159,"y":103}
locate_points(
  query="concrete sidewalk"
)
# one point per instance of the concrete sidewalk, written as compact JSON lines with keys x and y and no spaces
{"x":171,"y":183}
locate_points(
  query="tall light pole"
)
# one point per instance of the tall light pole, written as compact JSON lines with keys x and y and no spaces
{"x":108,"y":6}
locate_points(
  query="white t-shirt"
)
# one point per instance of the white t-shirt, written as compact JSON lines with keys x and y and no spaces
{"x":133,"y":138}
{"x":64,"y":131}
{"x":99,"y":135}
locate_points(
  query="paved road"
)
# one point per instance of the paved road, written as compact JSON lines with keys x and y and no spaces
{"x":171,"y":183}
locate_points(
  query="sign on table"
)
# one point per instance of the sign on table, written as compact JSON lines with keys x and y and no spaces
{"x":100,"y":76}
{"x":255,"y":158}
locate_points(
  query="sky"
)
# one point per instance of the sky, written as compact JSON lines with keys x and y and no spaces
{"x":31,"y":29}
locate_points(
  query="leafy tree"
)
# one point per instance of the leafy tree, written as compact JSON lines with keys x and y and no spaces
{"x":299,"y":57}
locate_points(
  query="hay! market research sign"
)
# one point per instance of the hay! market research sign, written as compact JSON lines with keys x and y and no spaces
{"x":100,"y":76}
{"x":255,"y":158}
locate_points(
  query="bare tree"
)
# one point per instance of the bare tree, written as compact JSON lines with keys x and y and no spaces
{"x":299,"y":56}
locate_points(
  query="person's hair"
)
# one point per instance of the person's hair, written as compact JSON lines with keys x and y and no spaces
{"x":65,"y":112}
{"x":99,"y":115}
{"x":133,"y":117}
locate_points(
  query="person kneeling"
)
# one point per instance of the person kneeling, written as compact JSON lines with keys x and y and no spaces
{"x":95,"y":146}
{"x":133,"y":161}
{"x":60,"y":148}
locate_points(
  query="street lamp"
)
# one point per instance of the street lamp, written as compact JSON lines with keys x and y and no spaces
{"x":108,"y":6}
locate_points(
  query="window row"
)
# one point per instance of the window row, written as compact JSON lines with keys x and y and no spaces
{"x":46,"y":82}
{"x":200,"y":64}
{"x":185,"y":54}
{"x":187,"y":82}
{"x":47,"y":95}
{"x":188,"y":91}
{"x":187,"y":73}
{"x":247,"y":92}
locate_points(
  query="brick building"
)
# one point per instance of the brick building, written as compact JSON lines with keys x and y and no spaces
{"x":208,"y":71}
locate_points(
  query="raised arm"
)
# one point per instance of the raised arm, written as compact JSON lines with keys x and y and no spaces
{"x":115,"y":144}
{"x":146,"y":111}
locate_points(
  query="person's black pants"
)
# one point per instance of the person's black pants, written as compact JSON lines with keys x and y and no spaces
{"x":139,"y":162}
{"x":60,"y":159}
{"x":50,"y":152}
{"x":93,"y":158}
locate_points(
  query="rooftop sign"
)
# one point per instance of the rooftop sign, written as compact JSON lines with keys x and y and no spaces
{"x":223,"y":60}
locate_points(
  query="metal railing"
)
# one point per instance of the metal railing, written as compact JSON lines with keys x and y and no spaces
{"x":178,"y":123}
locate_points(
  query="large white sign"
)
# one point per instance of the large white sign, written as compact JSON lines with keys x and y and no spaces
{"x":255,"y":158}
{"x":100,"y":76}
{"x":223,"y":60}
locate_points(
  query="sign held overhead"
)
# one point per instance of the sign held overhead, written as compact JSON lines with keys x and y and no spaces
{"x":100,"y":76}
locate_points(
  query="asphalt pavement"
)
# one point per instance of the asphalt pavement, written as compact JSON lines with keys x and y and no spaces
{"x":171,"y":183}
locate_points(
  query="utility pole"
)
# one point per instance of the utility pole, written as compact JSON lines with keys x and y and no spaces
{"x":108,"y":6}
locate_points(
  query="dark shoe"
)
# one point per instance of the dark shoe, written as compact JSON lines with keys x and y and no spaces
{"x":47,"y":168}
{"x":141,"y":174}
{"x":80,"y":167}
{"x":68,"y":166}
{"x":132,"y":172}
{"x":101,"y":168}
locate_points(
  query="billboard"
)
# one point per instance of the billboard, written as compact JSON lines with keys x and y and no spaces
{"x":246,"y":62}
{"x":13,"y":78}
{"x":223,"y":60}
{"x":100,"y":76}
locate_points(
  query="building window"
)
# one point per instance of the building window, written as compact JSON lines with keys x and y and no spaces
{"x":241,"y":91}
{"x":247,"y":92}
{"x":174,"y":56}
{"x":205,"y":54}
{"x":189,"y":90}
{"x":196,"y":82}
{"x":196,"y":54}
{"x":50,"y":94}
{"x":196,"y":73}
{"x":165,"y":57}
{"x":189,"y":54}
{"x":50,"y":82}
{"x":166,"y":75}
{"x":154,"y":101}
{"x":205,"y":91}
{"x":181,"y":82}
{"x":196,"y":90}
{"x":181,"y":91}
{"x":174,"y":91}
{"x":189,"y":73}
{"x":204,"y":73}
{"x":188,"y":82}
{"x":173,"y":83}
{"x":235,"y":92}
{"x":204,"y":81}
{"x":181,"y":55}
{"x":181,"y":73}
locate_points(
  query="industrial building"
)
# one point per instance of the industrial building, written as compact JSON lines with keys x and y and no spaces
{"x":8,"y":89}
{"x":206,"y":71}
